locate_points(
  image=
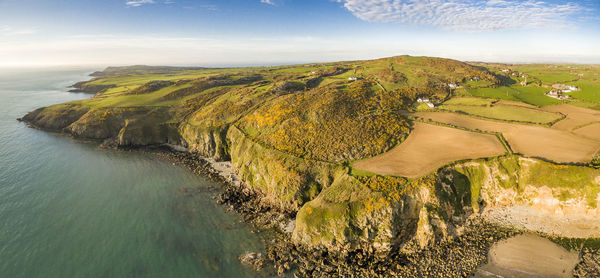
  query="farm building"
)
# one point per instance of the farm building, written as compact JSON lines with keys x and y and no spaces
{"x":353,"y":78}
{"x":564,"y":87}
{"x":557,"y":94}
{"x":426,"y":101}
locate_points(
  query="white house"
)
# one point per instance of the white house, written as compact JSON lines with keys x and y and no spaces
{"x":353,"y":78}
{"x":426,"y":101}
{"x":565,"y":88}
{"x":452,"y":86}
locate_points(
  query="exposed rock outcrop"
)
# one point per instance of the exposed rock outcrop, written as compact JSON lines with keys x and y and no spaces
{"x":137,"y":126}
{"x":86,"y":87}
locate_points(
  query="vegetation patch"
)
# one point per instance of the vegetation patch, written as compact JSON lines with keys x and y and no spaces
{"x":331,"y":123}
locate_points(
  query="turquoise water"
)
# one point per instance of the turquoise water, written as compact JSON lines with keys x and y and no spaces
{"x":70,"y":209}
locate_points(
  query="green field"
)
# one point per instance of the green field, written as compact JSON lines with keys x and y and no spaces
{"x":590,"y":91}
{"x":477,"y":84}
{"x":549,"y":74}
{"x":469,"y":101}
{"x":530,"y":95}
{"x":506,"y":113}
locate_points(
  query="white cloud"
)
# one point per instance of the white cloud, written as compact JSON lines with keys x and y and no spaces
{"x":97,"y":49}
{"x":468,"y":15}
{"x":270,"y":2}
{"x":10,"y":31}
{"x":137,"y":3}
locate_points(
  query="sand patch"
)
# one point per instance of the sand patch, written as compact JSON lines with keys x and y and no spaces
{"x":528,"y":218}
{"x":529,"y":256}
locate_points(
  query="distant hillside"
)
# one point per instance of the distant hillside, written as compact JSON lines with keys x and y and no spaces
{"x":140,"y":69}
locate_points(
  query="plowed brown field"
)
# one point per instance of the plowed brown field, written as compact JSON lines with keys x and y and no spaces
{"x":429,"y":147}
{"x":535,"y":141}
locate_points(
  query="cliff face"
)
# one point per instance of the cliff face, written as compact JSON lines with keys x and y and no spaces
{"x":514,"y":180}
{"x":137,"y":126}
{"x":419,"y":213}
{"x":55,"y":118}
{"x":207,"y":142}
{"x":287,"y":181}
{"x":85,"y":87}
{"x":349,"y":215}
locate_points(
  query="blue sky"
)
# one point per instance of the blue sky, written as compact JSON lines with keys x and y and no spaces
{"x":263,"y":32}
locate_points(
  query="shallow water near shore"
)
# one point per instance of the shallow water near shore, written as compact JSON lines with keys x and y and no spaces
{"x":70,"y":209}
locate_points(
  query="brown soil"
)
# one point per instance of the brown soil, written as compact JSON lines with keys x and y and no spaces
{"x":576,"y":116}
{"x":534,"y":141}
{"x":430,"y":146}
{"x":590,"y":131}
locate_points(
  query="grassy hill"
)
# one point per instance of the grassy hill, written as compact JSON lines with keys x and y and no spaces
{"x":332,"y":112}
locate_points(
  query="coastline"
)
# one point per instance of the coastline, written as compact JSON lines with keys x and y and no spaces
{"x":462,"y":256}
{"x":458,"y":257}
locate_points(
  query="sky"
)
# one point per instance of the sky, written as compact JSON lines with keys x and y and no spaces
{"x":272,"y":32}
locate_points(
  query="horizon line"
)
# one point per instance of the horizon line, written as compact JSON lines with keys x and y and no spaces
{"x":277,"y":64}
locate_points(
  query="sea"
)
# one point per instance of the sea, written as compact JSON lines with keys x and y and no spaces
{"x":71,"y":209}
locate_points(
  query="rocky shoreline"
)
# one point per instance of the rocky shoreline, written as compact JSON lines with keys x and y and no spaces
{"x":458,"y":257}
